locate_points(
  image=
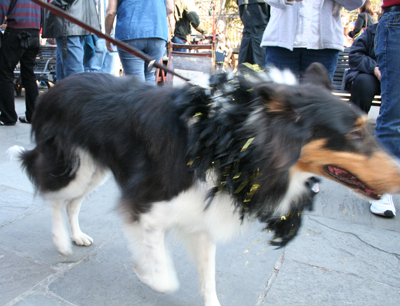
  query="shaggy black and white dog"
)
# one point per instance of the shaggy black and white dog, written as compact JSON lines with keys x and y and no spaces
{"x":206,"y":162}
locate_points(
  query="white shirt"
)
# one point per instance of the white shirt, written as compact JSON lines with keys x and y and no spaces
{"x":283,"y":24}
{"x":308,"y":34}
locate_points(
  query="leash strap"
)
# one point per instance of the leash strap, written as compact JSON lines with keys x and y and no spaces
{"x":120,"y":44}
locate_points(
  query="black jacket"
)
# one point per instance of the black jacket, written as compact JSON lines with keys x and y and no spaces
{"x":362,"y":56}
{"x":362,"y":22}
{"x":184,"y":19}
{"x":84,"y":10}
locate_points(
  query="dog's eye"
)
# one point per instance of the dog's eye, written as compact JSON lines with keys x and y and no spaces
{"x":355,"y":134}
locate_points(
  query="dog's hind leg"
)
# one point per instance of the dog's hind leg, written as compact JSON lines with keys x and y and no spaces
{"x":152,"y":262}
{"x":60,"y":233}
{"x":98,"y":176}
{"x":61,"y":236}
{"x":87,"y":177}
{"x":77,"y":236}
{"x":202,"y":249}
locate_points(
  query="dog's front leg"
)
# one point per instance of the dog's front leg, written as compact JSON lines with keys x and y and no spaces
{"x":60,"y":232}
{"x":152,"y":262}
{"x":203,"y":249}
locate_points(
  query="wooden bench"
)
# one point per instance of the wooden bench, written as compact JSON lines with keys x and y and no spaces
{"x":45,"y":68}
{"x":339,"y":76}
{"x":196,"y":63}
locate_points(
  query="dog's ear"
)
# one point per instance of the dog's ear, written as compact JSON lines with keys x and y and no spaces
{"x":272,"y":98}
{"x":317,"y":74}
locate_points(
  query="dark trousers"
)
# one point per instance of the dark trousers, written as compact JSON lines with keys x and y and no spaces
{"x":300,"y":59}
{"x":363,"y":90}
{"x":11,"y":52}
{"x":255,"y":17}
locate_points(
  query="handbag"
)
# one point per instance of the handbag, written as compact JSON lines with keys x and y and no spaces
{"x":363,"y":28}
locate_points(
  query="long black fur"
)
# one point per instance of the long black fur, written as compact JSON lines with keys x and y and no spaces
{"x":158,"y":140}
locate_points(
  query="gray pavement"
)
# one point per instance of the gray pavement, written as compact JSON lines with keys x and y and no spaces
{"x":343,"y":254}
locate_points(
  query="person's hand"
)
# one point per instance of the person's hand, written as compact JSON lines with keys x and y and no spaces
{"x":109,"y":46}
{"x":377,"y":73}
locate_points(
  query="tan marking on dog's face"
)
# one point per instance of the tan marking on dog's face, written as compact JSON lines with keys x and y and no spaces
{"x":360,"y":122}
{"x":359,"y":126}
{"x":379,"y":171}
{"x":274,"y":106}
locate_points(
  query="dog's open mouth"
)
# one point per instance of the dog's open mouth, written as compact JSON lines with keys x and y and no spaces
{"x":352,"y":181}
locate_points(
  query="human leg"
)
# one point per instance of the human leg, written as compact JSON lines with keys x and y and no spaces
{"x":177,"y":40}
{"x":109,"y":62}
{"x":327,"y":57}
{"x":387,"y":48}
{"x":28,"y":77}
{"x":387,"y":129}
{"x":384,"y":207}
{"x":73,"y":63}
{"x":133,"y":65}
{"x":155,"y":49}
{"x":283,"y":58}
{"x":95,"y":63}
{"x":255,"y":18}
{"x":10,"y":53}
{"x":59,"y":63}
{"x":363,"y":90}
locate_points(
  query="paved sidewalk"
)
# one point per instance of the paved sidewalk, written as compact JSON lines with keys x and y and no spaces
{"x":343,"y":254}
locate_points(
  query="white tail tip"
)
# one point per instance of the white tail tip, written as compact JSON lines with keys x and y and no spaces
{"x":14,"y":152}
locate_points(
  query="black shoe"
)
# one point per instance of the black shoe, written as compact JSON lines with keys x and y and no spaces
{"x":24,"y":120}
{"x":7,"y":123}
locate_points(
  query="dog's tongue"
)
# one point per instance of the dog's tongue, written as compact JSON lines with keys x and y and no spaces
{"x":352,"y":180}
{"x":345,"y":176}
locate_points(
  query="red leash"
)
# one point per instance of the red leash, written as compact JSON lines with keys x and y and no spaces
{"x":120,"y":44}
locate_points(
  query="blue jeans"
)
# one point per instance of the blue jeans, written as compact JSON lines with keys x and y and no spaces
{"x":300,"y":58}
{"x":387,"y":49}
{"x":133,"y":65}
{"x":103,"y":60}
{"x":74,"y":62}
{"x":177,"y":40}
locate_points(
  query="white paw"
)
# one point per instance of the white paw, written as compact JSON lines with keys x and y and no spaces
{"x":63,"y":244}
{"x":160,"y":282}
{"x":212,"y":302}
{"x":82,"y":239}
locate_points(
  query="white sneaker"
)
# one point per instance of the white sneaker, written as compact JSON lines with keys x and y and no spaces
{"x":384,"y":206}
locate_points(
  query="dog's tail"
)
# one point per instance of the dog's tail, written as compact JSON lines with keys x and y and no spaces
{"x":25,"y":157}
{"x":15,"y":153}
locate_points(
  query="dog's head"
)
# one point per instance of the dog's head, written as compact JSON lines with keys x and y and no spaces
{"x":265,"y":138}
{"x":328,"y":137}
{"x":333,"y":139}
